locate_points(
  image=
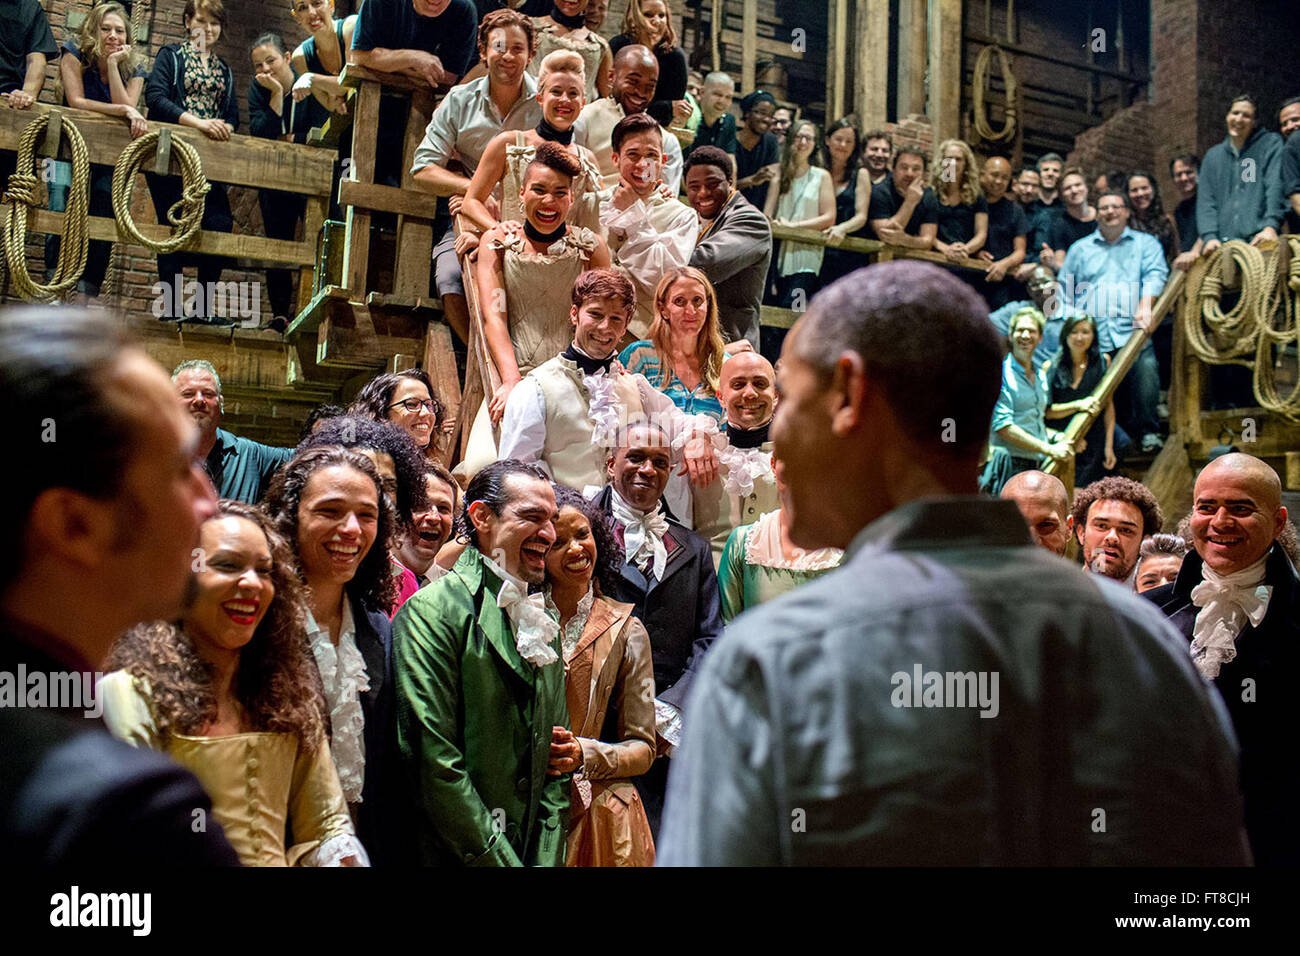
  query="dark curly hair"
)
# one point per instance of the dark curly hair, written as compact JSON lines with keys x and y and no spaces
{"x":1118,"y":488}
{"x":554,"y":156}
{"x":609,"y":553}
{"x":356,"y":431}
{"x":373,"y":584}
{"x":376,"y":396}
{"x":278,"y":684}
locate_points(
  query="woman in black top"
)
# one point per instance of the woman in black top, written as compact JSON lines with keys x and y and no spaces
{"x":317,"y":62}
{"x":650,"y":23}
{"x":852,"y":183}
{"x":1149,"y":214}
{"x":1072,"y":376}
{"x":963,"y":211}
{"x":194,"y":87}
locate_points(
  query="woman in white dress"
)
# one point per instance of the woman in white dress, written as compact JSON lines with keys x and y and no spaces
{"x":804,"y":199}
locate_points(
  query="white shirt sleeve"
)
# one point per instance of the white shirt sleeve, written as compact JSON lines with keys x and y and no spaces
{"x":646,"y":252}
{"x":673,"y":169}
{"x":523,"y":426}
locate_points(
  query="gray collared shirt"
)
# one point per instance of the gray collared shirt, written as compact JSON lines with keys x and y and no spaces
{"x":812,"y":740}
{"x":467,"y":119}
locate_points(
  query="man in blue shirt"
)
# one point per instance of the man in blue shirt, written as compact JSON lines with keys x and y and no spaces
{"x":1115,"y":275}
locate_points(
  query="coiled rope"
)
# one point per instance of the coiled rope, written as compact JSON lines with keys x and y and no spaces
{"x":980,"y":110}
{"x":185,"y":216}
{"x":1281,"y":337}
{"x":25,"y":193}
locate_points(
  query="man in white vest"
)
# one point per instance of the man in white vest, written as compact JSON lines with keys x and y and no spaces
{"x":746,"y":487}
{"x":565,"y":414}
{"x":649,"y":232}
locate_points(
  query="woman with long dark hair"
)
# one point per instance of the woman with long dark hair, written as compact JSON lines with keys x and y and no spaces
{"x":231,"y":692}
{"x":852,"y":184}
{"x":1149,"y":214}
{"x":608,"y":674}
{"x":1072,"y":377}
{"x":803,"y":199}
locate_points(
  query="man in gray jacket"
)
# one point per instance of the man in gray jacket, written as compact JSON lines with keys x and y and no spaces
{"x":951,"y":694}
{"x":1239,"y":191}
{"x":735,"y":245}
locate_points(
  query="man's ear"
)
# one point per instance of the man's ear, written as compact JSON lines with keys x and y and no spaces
{"x":480,"y":516}
{"x":848,"y":391}
{"x":1069,"y":525}
{"x":609,"y":469}
{"x":573,"y":315}
{"x":1279,"y":521}
{"x":74,"y":527}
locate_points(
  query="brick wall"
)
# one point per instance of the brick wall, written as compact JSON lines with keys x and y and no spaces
{"x":1122,"y":142}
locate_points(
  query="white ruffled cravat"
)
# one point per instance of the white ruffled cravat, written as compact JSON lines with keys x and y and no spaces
{"x":1227,"y":602}
{"x":344,"y":677}
{"x":643,"y":534}
{"x":743,"y":467}
{"x":534,"y":628}
{"x":603,"y":408}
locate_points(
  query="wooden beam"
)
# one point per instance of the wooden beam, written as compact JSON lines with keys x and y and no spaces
{"x":356,"y":258}
{"x":208,"y":243}
{"x":871,"y":76}
{"x":837,"y":16}
{"x":769,"y":45}
{"x":911,"y":56}
{"x":404,"y":202}
{"x":945,"y":46}
{"x":440,"y":363}
{"x":240,"y":161}
{"x":353,"y":77}
{"x":749,"y":46}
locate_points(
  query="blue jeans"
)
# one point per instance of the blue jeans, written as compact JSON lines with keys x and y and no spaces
{"x":1138,"y":397}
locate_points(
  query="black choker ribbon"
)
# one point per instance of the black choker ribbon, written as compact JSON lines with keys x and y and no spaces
{"x":747,"y":437}
{"x":573,"y":22}
{"x":537,"y":235}
{"x":548,"y":132}
{"x":589,"y":365}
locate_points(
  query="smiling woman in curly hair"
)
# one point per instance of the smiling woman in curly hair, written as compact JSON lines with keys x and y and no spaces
{"x":230,"y":691}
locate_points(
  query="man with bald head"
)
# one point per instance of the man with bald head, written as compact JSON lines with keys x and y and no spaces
{"x":747,"y":488}
{"x":1237,"y":601}
{"x":1045,"y":506}
{"x":1005,"y":247}
{"x":636,"y":74}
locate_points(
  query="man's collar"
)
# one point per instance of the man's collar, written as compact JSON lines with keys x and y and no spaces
{"x":939,"y":523}
{"x":1278,"y":570}
{"x":1096,"y":235}
{"x":527,"y":90}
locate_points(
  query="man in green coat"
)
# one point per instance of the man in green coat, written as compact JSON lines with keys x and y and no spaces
{"x":480,"y":688}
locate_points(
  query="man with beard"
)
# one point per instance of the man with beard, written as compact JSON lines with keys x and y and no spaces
{"x":1237,"y":601}
{"x":904,"y":210}
{"x":480,"y":687}
{"x":239,"y":468}
{"x":669,"y":578}
{"x":636,"y":74}
{"x":565,"y":413}
{"x":104,"y":516}
{"x":417,"y":548}
{"x":1045,"y":507}
{"x":1111,"y":517}
{"x":746,"y":486}
{"x":806,"y":710}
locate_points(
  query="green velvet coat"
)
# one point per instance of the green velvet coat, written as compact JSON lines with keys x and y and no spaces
{"x":474,"y":727}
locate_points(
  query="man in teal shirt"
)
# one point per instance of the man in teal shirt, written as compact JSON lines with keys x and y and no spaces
{"x":480,"y":688}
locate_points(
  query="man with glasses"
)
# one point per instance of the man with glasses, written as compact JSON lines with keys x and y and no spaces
{"x":758,"y":151}
{"x":239,"y":468}
{"x":1115,"y":274}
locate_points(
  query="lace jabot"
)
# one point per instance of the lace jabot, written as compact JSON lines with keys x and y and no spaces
{"x":571,"y":633}
{"x":343,"y":673}
{"x":1227,"y":602}
{"x":763,"y":548}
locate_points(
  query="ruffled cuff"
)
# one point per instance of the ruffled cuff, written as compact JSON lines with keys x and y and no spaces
{"x":335,"y":850}
{"x":668,"y":724}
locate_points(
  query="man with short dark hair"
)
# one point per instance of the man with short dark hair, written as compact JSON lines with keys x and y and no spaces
{"x":1237,"y":601}
{"x":1111,"y":516}
{"x":239,"y":468}
{"x":877,"y":150}
{"x":1184,"y":169}
{"x":758,"y":151}
{"x":904,"y":211}
{"x":1289,"y":118}
{"x":1049,"y":180}
{"x":948,"y":681}
{"x":735,"y":242}
{"x":669,"y":578}
{"x":1044,"y":505}
{"x":1027,"y":188}
{"x":636,"y":75}
{"x":480,"y":687}
{"x":103,"y":516}
{"x":648,"y":232}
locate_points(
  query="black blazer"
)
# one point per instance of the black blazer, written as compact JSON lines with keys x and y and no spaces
{"x":1258,"y":688}
{"x":374,"y":637}
{"x":72,"y":795}
{"x":682,"y":613}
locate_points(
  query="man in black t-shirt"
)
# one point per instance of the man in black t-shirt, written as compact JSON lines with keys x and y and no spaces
{"x":1289,"y":121}
{"x":903,"y":210}
{"x":1076,"y":220}
{"x":1005,"y":245}
{"x":758,"y":152}
{"x":26,"y":43}
{"x":1184,"y":169}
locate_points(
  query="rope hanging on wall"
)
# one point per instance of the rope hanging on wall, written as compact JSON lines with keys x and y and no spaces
{"x":186,"y":215}
{"x":980,"y":109}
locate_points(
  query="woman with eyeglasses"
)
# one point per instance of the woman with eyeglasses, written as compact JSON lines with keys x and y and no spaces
{"x":408,"y":400}
{"x":803,"y":199}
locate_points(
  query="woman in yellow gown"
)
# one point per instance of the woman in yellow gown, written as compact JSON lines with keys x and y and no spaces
{"x":230,"y":692}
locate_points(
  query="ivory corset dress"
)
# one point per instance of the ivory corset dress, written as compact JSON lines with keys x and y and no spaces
{"x":587,"y":185}
{"x":537,"y":313}
{"x":258,"y":783}
{"x":591,"y":48}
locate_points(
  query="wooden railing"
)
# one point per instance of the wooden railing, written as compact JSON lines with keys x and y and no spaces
{"x":481,"y":376}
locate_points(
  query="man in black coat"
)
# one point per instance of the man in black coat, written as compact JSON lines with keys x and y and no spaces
{"x":105,"y":509}
{"x":735,"y":244}
{"x":1237,"y":600}
{"x":668,"y":575}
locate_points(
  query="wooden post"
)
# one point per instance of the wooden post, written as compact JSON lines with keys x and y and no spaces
{"x":440,"y":363}
{"x":911,"y":55}
{"x":414,"y":235}
{"x":715,"y":30}
{"x":871,"y":78}
{"x":836,"y":41}
{"x":749,"y":46}
{"x":945,"y":43}
{"x":356,"y":258}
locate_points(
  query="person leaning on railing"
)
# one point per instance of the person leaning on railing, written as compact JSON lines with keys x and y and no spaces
{"x":1019,"y":423}
{"x":903,"y":211}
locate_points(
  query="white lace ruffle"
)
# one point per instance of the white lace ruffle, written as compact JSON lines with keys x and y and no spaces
{"x":571,"y":633}
{"x":343,"y":673}
{"x":335,"y":850}
{"x":763,"y":549}
{"x":535,"y":630}
{"x":604,"y":409}
{"x":743,"y":467}
{"x":668,"y":723}
{"x":1228,"y":603}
